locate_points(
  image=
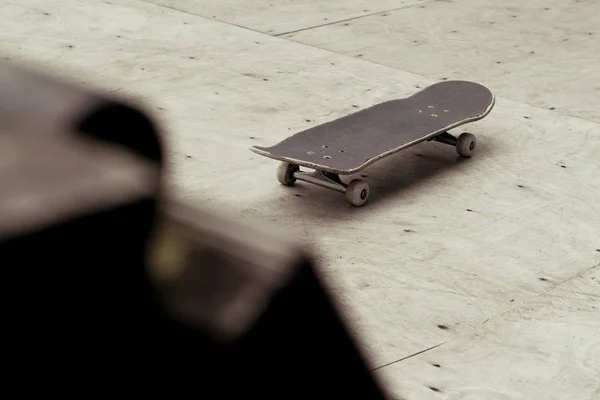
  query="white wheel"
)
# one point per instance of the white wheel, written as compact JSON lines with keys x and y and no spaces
{"x":466,"y":144}
{"x":285,"y":173}
{"x":357,"y":192}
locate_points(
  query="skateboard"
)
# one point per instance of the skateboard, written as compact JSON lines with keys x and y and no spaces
{"x":349,"y":144}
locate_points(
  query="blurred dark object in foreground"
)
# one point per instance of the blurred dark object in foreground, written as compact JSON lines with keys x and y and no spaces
{"x":105,"y":280}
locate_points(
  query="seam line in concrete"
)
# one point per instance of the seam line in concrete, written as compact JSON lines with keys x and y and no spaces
{"x":350,"y":19}
{"x":575,"y":276}
{"x":208,"y":18}
{"x":407,"y":357}
{"x":560,"y":284}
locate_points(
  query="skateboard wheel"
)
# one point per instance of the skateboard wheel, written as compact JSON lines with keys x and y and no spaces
{"x":285,"y":173}
{"x":357,"y":192}
{"x":466,"y":144}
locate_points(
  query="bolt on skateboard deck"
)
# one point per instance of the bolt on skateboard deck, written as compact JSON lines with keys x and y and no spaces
{"x":349,"y":144}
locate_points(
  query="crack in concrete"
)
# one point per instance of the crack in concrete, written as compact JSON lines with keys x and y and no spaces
{"x":350,"y":19}
{"x":407,"y":357}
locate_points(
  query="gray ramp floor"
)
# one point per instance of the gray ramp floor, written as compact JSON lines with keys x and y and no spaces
{"x":544,"y":53}
{"x":487,"y":267}
{"x":281,"y":17}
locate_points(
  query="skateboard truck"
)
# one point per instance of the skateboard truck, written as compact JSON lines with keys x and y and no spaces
{"x":465,"y":143}
{"x":357,"y":191}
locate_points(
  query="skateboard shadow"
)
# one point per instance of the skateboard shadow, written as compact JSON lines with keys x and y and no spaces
{"x":392,"y":180}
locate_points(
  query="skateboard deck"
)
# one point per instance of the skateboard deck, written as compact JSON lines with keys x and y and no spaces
{"x":351,"y":143}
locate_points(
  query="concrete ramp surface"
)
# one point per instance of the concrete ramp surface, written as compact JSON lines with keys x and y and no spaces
{"x":464,"y":279}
